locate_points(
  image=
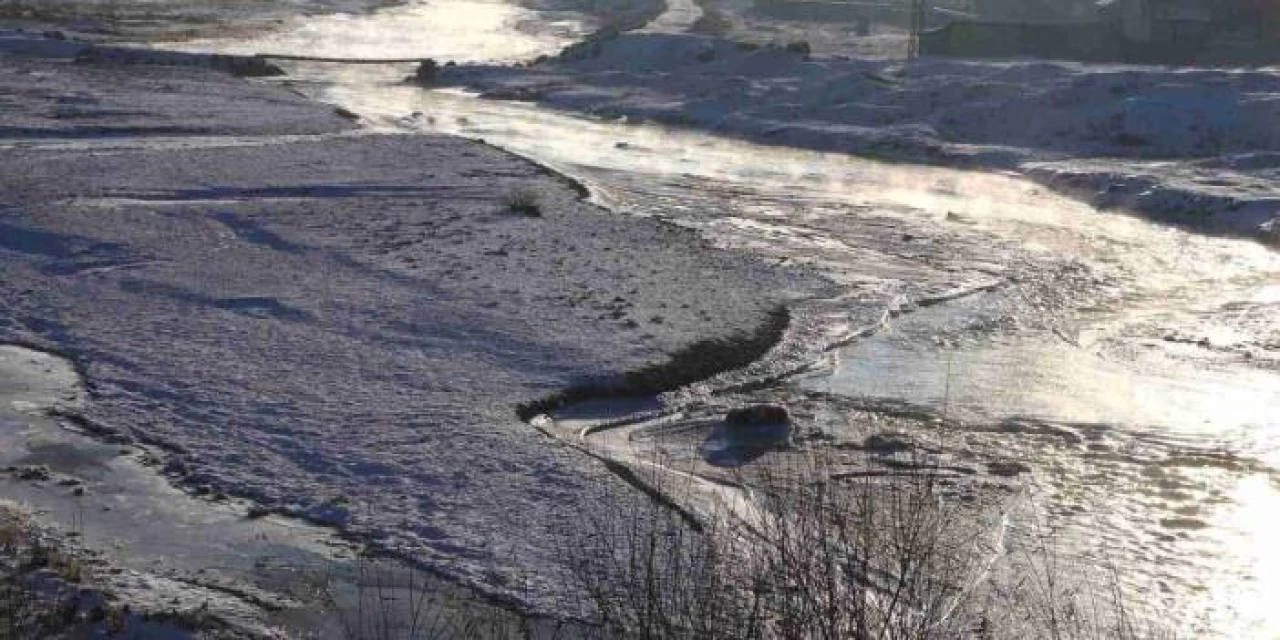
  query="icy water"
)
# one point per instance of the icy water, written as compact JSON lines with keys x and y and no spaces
{"x":1160,"y":379}
{"x":1134,"y":367}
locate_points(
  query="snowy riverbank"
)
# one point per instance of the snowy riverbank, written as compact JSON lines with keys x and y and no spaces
{"x":336,"y":325}
{"x":1195,"y":147}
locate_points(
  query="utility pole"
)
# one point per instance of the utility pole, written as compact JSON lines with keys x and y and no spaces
{"x":917,"y":25}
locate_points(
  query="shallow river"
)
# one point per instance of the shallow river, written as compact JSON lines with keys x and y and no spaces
{"x":1146,"y":358}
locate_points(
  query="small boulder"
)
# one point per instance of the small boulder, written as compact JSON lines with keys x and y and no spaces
{"x":426,"y":74}
{"x":760,"y":414}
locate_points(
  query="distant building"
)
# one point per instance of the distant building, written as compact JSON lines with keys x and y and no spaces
{"x":1034,"y":11}
{"x":1147,"y":21}
{"x":1145,"y":31}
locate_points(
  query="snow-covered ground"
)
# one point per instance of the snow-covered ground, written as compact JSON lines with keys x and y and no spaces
{"x":339,"y":326}
{"x":169,"y":18}
{"x":1193,"y":146}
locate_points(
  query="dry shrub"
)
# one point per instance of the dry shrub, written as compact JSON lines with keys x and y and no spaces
{"x":831,"y":556}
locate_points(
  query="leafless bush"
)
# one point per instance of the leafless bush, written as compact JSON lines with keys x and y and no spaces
{"x":649,"y":574}
{"x":37,"y":596}
{"x":826,"y":556}
{"x":1054,"y":595}
{"x":525,"y":201}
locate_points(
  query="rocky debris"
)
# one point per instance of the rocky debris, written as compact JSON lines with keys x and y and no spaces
{"x":888,"y":443}
{"x":34,"y":473}
{"x":760,"y":414}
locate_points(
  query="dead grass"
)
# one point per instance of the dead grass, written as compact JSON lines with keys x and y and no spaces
{"x":38,"y":597}
{"x":861,"y":558}
{"x":525,"y":201}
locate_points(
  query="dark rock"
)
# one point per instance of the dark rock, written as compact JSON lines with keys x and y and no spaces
{"x":249,"y":67}
{"x":800,"y":48}
{"x":888,"y":443}
{"x":757,"y":415}
{"x":34,"y":473}
{"x":426,"y":74}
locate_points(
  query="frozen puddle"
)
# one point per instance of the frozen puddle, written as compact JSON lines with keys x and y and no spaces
{"x":174,"y":550}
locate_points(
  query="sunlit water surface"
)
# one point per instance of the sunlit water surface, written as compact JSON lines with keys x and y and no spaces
{"x":458,"y":30}
{"x":1164,"y":395}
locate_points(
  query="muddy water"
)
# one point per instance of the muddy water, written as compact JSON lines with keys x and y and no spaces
{"x":1134,"y":367}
